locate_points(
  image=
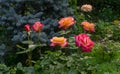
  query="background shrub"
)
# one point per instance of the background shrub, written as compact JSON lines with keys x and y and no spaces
{"x":103,"y":9}
{"x":14,"y":14}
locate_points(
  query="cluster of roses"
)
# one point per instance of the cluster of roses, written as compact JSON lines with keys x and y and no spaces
{"x":37,"y":26}
{"x":81,"y":40}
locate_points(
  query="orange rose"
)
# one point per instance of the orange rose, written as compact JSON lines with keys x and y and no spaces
{"x":66,"y":22}
{"x":59,"y":41}
{"x":86,"y":8}
{"x":88,"y":26}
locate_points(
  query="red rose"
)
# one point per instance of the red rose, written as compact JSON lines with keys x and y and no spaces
{"x":27,"y":28}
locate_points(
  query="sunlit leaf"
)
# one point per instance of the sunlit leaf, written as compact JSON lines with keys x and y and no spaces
{"x":27,"y":42}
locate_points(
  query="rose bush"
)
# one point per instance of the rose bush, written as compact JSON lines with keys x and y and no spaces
{"x":83,"y":41}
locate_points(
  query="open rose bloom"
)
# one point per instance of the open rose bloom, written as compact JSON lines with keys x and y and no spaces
{"x":27,"y":28}
{"x":59,"y":41}
{"x":66,"y":22}
{"x":88,"y":26}
{"x":37,"y":26}
{"x":84,"y":41}
{"x":86,"y":8}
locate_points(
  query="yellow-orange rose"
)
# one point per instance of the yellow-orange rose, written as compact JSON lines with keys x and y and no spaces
{"x":59,"y":41}
{"x":66,"y":22}
{"x":88,"y":26}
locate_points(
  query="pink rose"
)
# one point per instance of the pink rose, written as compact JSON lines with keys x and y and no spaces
{"x":37,"y":26}
{"x":84,"y":41}
{"x":86,"y":8}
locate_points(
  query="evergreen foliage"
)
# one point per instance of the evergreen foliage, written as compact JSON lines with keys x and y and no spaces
{"x":14,"y":14}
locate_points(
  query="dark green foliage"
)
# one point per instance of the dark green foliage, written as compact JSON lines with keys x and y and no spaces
{"x":103,"y":59}
{"x":102,"y":9}
{"x":14,"y":14}
{"x":58,"y":62}
{"x":19,"y":69}
{"x":106,"y":31}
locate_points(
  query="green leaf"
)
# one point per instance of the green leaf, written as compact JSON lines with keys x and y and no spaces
{"x":64,"y":32}
{"x":41,"y":45}
{"x":72,"y":71}
{"x":29,"y":70}
{"x":31,"y":47}
{"x":19,"y":72}
{"x":27,"y":42}
{"x":19,"y":66}
{"x":45,"y":62}
{"x":57,"y":53}
{"x":21,"y":47}
{"x":63,"y":58}
{"x":25,"y":51}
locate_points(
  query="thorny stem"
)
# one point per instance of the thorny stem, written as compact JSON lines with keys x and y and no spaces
{"x":39,"y":43}
{"x":29,"y":58}
{"x":29,"y":54}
